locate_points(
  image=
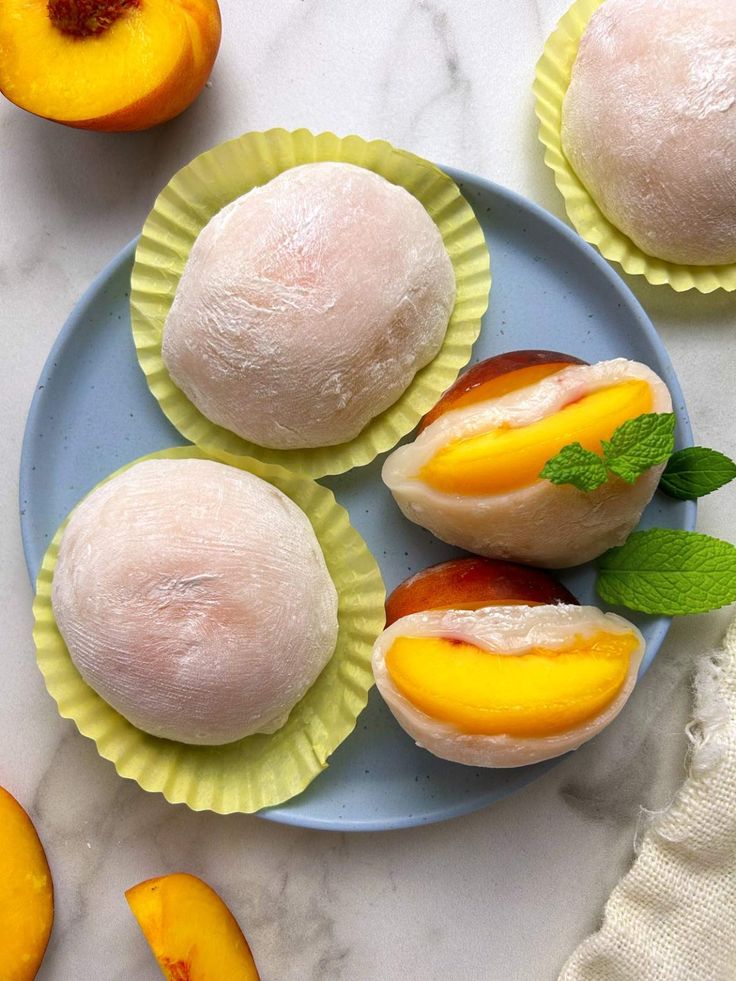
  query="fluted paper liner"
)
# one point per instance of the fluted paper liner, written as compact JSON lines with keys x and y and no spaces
{"x":212,"y":180}
{"x":552,"y":78}
{"x":262,"y":770}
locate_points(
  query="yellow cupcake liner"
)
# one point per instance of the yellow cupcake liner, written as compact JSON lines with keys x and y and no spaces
{"x":216,"y":177}
{"x":550,"y":85}
{"x":262,"y":770}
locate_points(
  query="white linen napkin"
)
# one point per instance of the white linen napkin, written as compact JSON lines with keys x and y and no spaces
{"x":673,"y":915}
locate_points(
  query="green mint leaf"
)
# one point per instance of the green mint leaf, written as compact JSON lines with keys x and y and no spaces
{"x":639,"y":444}
{"x":670,"y":572}
{"x":695,"y":472}
{"x":577,"y":466}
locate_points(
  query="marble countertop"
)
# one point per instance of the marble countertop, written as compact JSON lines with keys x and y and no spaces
{"x":501,"y":895}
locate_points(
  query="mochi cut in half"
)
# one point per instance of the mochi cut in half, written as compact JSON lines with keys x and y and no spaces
{"x":308,"y":305}
{"x":472,"y":476}
{"x":194,"y":598}
{"x":649,"y":124}
{"x":505,"y":686}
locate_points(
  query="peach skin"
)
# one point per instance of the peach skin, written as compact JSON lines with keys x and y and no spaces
{"x":26,"y":893}
{"x":472,"y":583}
{"x":192,"y":933}
{"x":498,"y":376}
{"x":108,"y":65}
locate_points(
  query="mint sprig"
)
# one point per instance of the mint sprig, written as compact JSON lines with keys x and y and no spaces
{"x":577,"y":466}
{"x":695,"y":472}
{"x":669,"y":572}
{"x":639,"y":444}
{"x":635,"y":446}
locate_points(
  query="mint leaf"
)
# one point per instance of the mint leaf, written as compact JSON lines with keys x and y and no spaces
{"x":695,"y":472}
{"x":577,"y":466}
{"x":639,"y":444}
{"x":635,"y":446}
{"x":670,"y":572}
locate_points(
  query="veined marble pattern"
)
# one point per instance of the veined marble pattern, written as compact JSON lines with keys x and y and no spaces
{"x":501,"y":895}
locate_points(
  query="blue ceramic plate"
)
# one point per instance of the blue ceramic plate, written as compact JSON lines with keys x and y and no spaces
{"x":92,"y":412}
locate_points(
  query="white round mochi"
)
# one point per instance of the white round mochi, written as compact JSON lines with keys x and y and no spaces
{"x":195,"y":599}
{"x":649,"y":124}
{"x":307,"y":306}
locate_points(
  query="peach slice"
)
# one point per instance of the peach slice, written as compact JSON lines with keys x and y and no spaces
{"x":26,"y":894}
{"x":541,"y":692}
{"x":107,"y":65}
{"x":506,"y":459}
{"x":498,"y":376}
{"x":473,"y":583}
{"x":192,"y":933}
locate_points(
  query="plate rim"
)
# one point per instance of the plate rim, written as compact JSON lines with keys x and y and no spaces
{"x":281,"y":814}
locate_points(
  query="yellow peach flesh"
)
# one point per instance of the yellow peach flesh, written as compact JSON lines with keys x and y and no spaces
{"x":507,"y":459}
{"x":540,"y":692}
{"x":146,"y":65}
{"x":192,"y":933}
{"x":96,"y":71}
{"x":26,"y":894}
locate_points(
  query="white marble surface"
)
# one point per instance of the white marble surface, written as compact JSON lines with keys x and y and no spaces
{"x":501,"y":895}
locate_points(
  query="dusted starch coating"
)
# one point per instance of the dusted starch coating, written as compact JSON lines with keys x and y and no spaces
{"x":649,"y":124}
{"x":308,"y":305}
{"x":194,"y":598}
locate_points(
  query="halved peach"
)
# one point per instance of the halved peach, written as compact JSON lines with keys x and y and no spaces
{"x":192,"y":933}
{"x":472,"y":583}
{"x":107,"y":64}
{"x":498,"y":376}
{"x":26,"y":894}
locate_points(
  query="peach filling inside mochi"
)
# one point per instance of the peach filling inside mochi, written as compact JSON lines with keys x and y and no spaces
{"x":542,"y":691}
{"x":509,"y":458}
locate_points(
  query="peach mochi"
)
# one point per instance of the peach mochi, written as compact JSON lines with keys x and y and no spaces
{"x":649,"y":124}
{"x":307,"y":306}
{"x":472,"y":475}
{"x":195,"y":599}
{"x":507,"y":685}
{"x":512,"y":682}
